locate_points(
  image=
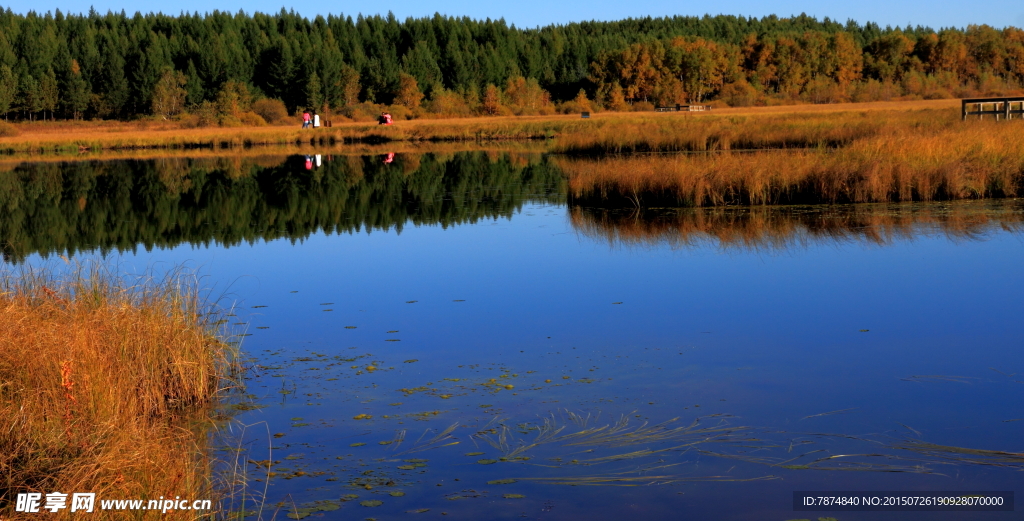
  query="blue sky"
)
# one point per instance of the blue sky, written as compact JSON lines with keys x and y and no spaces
{"x":530,"y":13}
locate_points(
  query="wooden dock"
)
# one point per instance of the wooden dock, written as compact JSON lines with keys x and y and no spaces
{"x":684,"y":108}
{"x":1000,"y":107}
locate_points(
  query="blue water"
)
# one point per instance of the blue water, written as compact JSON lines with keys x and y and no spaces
{"x":841,"y":347}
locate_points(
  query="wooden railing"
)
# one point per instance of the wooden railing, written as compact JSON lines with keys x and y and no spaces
{"x":1001,"y":107}
{"x":683,"y":108}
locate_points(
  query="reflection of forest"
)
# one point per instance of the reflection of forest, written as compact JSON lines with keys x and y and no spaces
{"x":781,"y":227}
{"x":119,"y":205}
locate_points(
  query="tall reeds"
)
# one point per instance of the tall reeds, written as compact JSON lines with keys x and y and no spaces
{"x":106,"y":386}
{"x":901,"y":162}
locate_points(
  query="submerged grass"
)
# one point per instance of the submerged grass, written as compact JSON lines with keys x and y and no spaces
{"x":106,"y":386}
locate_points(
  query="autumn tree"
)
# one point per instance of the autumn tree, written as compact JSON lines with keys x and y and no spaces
{"x":491,"y":104}
{"x":169,"y":94}
{"x":408,"y":94}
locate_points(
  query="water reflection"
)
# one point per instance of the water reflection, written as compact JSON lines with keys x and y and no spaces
{"x":783,"y":227}
{"x":118,"y":205}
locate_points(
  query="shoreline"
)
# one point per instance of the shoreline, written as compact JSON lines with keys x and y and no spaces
{"x":72,"y":138}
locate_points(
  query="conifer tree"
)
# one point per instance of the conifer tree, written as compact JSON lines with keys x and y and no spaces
{"x":8,"y":89}
{"x":48,"y":94}
{"x":314,"y":92}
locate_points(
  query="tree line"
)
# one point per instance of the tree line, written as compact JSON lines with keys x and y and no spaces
{"x":265,"y":66}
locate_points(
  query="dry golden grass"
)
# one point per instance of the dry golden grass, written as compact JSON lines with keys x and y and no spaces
{"x":106,"y":387}
{"x":781,"y":227}
{"x":913,"y":160}
{"x":71,"y":137}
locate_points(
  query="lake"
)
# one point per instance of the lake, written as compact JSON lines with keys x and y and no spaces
{"x":442,"y":335}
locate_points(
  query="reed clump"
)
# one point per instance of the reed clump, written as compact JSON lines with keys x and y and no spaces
{"x":900,"y":163}
{"x":106,"y":386}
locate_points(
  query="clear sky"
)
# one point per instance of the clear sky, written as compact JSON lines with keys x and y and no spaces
{"x":530,"y":13}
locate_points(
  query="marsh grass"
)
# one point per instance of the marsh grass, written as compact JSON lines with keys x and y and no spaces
{"x":902,"y":160}
{"x":762,"y":127}
{"x":107,"y":385}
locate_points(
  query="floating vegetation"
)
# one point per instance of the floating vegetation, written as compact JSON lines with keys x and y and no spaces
{"x":829,"y":413}
{"x":513,"y":496}
{"x":553,"y":431}
{"x":411,"y":301}
{"x":392,"y":340}
{"x":309,"y":509}
{"x":350,"y":327}
{"x":501,"y":482}
{"x":486,"y":461}
{"x":442,"y":439}
{"x":357,"y":444}
{"x":953,"y":454}
{"x":411,"y":361}
{"x":939,"y":378}
{"x":371,"y":503}
{"x":640,"y":477}
{"x":396,"y":493}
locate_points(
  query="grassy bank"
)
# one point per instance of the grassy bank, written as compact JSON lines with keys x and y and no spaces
{"x":106,"y":387}
{"x":603,"y":132}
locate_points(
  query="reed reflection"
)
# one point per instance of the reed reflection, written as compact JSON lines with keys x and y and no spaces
{"x":783,"y":227}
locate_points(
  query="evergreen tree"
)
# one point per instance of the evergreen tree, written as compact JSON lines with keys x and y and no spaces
{"x":29,"y":100}
{"x":76,"y":95}
{"x":48,"y":94}
{"x":8,"y":89}
{"x":314,"y":92}
{"x":193,"y":85}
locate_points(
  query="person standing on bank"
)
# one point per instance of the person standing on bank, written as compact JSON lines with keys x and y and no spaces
{"x":316,"y":120}
{"x":305,"y":119}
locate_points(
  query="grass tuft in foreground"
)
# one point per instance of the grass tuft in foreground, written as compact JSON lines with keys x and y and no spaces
{"x":106,"y":386}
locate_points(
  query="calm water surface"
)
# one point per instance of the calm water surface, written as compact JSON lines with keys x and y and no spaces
{"x":443,"y":333}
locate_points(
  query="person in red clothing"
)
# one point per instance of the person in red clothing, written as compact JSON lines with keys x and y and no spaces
{"x":305,"y":119}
